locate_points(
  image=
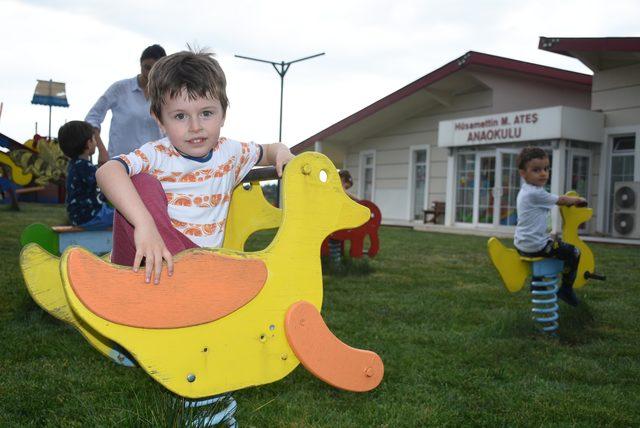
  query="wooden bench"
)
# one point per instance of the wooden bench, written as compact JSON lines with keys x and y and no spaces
{"x":435,"y":212}
{"x":55,"y":239}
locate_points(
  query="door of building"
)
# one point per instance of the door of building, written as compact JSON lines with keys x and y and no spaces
{"x":508,"y":183}
{"x":484,"y":190}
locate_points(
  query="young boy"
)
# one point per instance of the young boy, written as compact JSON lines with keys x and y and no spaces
{"x":174,"y":193}
{"x":345,"y":179}
{"x":534,"y":204}
{"x":85,"y":206}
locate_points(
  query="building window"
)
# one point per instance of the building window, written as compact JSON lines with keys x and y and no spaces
{"x":487,"y":183}
{"x":510,"y":188}
{"x":465,"y":183}
{"x":419,"y":182}
{"x":368,"y":167}
{"x":622,"y":162}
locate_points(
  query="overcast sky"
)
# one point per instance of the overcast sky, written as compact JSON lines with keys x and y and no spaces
{"x":372,"y":49}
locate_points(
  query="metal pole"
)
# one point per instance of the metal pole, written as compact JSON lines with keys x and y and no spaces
{"x":281,"y":98}
{"x":284,"y":67}
{"x":50,"y":95}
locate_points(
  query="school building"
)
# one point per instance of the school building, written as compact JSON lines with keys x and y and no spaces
{"x":449,"y":140}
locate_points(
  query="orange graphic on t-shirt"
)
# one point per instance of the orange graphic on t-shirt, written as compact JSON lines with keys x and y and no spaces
{"x":200,"y":201}
{"x":169,"y":151}
{"x":224,"y":169}
{"x":194,"y":229}
{"x":179,"y":200}
{"x":145,"y":161}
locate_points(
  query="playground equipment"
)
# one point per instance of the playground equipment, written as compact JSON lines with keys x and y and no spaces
{"x":514,"y":269}
{"x":249,"y":212}
{"x":267,"y":303}
{"x":356,"y":236}
{"x":26,"y":168}
{"x":55,"y":239}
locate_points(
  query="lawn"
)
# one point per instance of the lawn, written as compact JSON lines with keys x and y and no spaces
{"x":458,"y":348}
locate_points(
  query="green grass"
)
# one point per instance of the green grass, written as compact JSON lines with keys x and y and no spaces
{"x":458,"y":349}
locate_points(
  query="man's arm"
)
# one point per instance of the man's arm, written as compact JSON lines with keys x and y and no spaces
{"x":103,"y":154}
{"x":276,"y":154}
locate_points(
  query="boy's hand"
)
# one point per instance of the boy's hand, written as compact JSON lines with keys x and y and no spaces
{"x":572,"y":200}
{"x":283,"y":156}
{"x":150,"y":246}
{"x":580,"y":202}
{"x":276,"y":154}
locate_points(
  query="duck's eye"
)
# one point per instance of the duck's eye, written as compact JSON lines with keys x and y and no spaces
{"x":323,"y":176}
{"x":246,"y":186}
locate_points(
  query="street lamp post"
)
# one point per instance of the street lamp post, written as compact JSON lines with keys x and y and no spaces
{"x":281,"y":68}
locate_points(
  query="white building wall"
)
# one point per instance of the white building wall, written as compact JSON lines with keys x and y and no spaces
{"x":393,"y":154}
{"x":617,"y":93}
{"x":392,"y":146}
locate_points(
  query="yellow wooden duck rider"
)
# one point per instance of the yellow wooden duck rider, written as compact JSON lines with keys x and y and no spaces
{"x":514,"y":269}
{"x":227,"y":319}
{"x":249,"y":212}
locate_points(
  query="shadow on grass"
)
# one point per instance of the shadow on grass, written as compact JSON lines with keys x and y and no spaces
{"x":347,"y":267}
{"x":577,"y":326}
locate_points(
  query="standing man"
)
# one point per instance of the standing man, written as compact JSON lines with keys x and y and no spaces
{"x":131,"y":122}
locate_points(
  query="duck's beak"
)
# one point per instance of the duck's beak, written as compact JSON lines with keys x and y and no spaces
{"x":352,"y":214}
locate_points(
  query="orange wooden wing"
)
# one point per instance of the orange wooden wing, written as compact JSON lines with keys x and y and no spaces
{"x":325,"y":356}
{"x":205,"y":286}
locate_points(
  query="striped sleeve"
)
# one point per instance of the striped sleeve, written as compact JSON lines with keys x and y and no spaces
{"x":141,"y":160}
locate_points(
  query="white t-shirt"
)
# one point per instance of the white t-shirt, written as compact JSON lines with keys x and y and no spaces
{"x":198,"y":189}
{"x":534,"y":205}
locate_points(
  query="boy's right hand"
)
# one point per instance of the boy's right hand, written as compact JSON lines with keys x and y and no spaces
{"x":580,"y":202}
{"x":150,"y":246}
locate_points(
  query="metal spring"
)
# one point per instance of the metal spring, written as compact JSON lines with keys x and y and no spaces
{"x":545,"y":302}
{"x":224,"y":417}
{"x":335,"y":251}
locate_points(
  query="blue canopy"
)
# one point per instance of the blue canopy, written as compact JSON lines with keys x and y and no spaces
{"x":50,"y":93}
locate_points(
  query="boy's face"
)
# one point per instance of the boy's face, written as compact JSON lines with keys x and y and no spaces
{"x":193,"y":126}
{"x":536,"y":172}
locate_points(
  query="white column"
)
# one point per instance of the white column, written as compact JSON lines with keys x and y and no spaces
{"x":317,"y":147}
{"x":450,"y":199}
{"x":603,"y":174}
{"x":558,"y":170}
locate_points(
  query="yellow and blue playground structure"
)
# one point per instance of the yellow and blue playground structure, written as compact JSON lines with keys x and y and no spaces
{"x":227,"y":319}
{"x":514,"y":269}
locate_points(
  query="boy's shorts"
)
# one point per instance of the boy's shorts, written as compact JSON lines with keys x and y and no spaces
{"x":553,"y":249}
{"x":102,"y":220}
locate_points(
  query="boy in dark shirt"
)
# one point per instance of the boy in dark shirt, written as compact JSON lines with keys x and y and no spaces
{"x":85,"y":204}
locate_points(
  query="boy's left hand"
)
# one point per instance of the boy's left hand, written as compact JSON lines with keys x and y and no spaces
{"x":283,"y":156}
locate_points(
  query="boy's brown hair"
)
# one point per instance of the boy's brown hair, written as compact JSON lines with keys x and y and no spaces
{"x":196,"y":72}
{"x":529,"y":153}
{"x":73,"y":137}
{"x":345,"y":176}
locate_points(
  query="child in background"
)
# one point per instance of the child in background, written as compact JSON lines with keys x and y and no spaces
{"x":534,"y":205}
{"x":85,"y":204}
{"x":345,"y":179}
{"x":174,"y":193}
